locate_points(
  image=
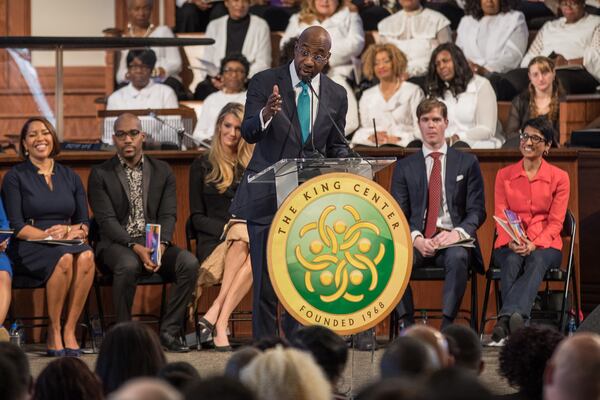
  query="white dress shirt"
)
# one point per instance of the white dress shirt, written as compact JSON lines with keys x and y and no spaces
{"x":496,"y":42}
{"x":153,"y":95}
{"x":417,"y":34}
{"x":397,"y":116}
{"x":212,"y":106}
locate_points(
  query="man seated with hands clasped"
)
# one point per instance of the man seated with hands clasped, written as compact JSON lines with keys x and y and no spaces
{"x":440,"y":190}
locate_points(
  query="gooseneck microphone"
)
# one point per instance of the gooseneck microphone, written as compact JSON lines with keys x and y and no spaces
{"x":181,"y":133}
{"x":351,"y":153}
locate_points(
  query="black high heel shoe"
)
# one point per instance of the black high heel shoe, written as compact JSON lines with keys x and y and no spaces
{"x":205,"y":330}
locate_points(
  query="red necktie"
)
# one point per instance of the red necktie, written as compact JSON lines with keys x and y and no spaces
{"x":435,"y":195}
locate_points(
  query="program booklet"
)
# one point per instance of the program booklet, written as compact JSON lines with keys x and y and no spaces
{"x":229,"y":224}
{"x":512,"y":226}
{"x":153,"y":241}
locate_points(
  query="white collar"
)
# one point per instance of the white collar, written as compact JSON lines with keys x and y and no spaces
{"x":134,"y":92}
{"x":296,"y":80}
{"x":427,"y":151}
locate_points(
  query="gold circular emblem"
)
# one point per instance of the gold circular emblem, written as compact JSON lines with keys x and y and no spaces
{"x":339,"y":253}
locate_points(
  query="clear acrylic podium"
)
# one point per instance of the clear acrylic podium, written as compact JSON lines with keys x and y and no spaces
{"x":288,"y":173}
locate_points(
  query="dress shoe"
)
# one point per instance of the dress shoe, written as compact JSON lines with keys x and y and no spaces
{"x":500,"y":330}
{"x":206,"y":330}
{"x":172,"y":344}
{"x":516,"y":322}
{"x":55,"y":353}
{"x":72,"y":352}
{"x":223,"y":349}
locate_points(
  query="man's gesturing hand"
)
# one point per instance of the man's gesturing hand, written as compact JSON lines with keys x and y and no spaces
{"x":273,"y":105}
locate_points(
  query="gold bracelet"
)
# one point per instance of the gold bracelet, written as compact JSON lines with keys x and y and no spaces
{"x":68,"y":229}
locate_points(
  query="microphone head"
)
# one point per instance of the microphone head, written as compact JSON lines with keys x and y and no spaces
{"x":307,"y":79}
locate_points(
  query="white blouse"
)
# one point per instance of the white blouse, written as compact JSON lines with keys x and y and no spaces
{"x":152,"y":96}
{"x":417,"y":34}
{"x":212,"y":106}
{"x":473,"y":114}
{"x":167,"y":58}
{"x":396,"y":116}
{"x":496,"y":42}
{"x":579,"y":39}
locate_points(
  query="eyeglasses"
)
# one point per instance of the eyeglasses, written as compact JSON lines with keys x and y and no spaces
{"x":234,"y":71}
{"x":534,"y":138}
{"x":133,"y":133}
{"x":319,"y":59}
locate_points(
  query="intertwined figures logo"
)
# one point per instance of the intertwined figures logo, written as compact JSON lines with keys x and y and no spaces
{"x":340,"y":255}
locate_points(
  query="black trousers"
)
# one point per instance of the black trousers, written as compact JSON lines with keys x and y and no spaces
{"x":520,"y":277}
{"x":455,"y":262}
{"x":180,"y":267}
{"x":264,"y":299}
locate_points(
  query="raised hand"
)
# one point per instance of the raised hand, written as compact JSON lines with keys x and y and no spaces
{"x":273,"y":105}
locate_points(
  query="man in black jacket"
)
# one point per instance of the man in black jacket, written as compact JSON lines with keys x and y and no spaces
{"x":127,"y":192}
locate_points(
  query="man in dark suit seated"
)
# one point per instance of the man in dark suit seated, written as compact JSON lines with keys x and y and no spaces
{"x":440,"y":191}
{"x":127,"y":192}
{"x":278,"y":119}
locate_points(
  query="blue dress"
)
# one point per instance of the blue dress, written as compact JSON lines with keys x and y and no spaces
{"x":30,"y":201}
{"x":4,"y":261}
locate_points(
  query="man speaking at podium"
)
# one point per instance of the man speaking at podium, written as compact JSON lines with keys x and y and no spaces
{"x":293,"y":111}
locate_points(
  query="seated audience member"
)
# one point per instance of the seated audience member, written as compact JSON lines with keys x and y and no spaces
{"x":168,"y":61}
{"x":141,"y":92}
{"x":471,"y":101}
{"x":392,"y":103}
{"x":328,"y":349}
{"x":541,"y":98}
{"x":416,"y":31}
{"x":235,"y":33}
{"x":218,"y":388}
{"x":234,"y":74}
{"x":573,"y":372}
{"x":67,"y":378}
{"x":468,"y":351}
{"x":146,"y":389}
{"x":46,"y":200}
{"x":573,"y":41}
{"x":179,"y":374}
{"x":277,"y":13}
{"x":409,"y":358}
{"x":454,"y":211}
{"x":433,"y":338}
{"x":390,"y":389}
{"x":371,"y":12}
{"x":523,"y":360}
{"x":193,"y":16}
{"x":347,"y":42}
{"x":239,"y":360}
{"x":538,"y":193}
{"x":214,"y":178}
{"x":454,"y":384}
{"x":17,"y":358}
{"x":129,"y":350}
{"x":286,"y":374}
{"x":127,"y":192}
{"x":10,"y":386}
{"x":5,"y":276}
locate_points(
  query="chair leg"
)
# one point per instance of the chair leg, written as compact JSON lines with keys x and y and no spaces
{"x":98,"y":293}
{"x":576,"y":297}
{"x":163,"y":301}
{"x":486,"y":297}
{"x":474,"y":313}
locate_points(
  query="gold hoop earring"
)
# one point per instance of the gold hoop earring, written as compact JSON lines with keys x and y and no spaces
{"x":545,"y":153}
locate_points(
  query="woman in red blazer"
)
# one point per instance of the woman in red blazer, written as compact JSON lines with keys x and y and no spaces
{"x":538,"y":193}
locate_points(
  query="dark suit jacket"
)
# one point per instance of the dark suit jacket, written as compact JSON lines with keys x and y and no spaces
{"x":108,"y":194}
{"x":282,"y":138}
{"x":464,"y":192}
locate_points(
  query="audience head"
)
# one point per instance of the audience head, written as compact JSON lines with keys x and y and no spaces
{"x":390,"y":389}
{"x":146,"y":389}
{"x":67,"y":378}
{"x":139,"y":12}
{"x":270,"y":342}
{"x":524,"y":356}
{"x":234,"y":73}
{"x":218,"y":388}
{"x":237,"y":9}
{"x":384,"y":62}
{"x":543,"y":79}
{"x":480,"y":8}
{"x":432,"y":115}
{"x":329,"y":350}
{"x":467,"y":347}
{"x":18,"y":359}
{"x":433,"y":338}
{"x":11,"y":386}
{"x":38,"y":140}
{"x":239,"y":360}
{"x":573,"y":372}
{"x":312,"y":52}
{"x":128,"y":137}
{"x":286,"y":374}
{"x":454,"y":384}
{"x":448,"y":70}
{"x":410,"y":5}
{"x":572,"y":10}
{"x":140,"y":63}
{"x":319,"y":10}
{"x":286,"y":55}
{"x":129,"y":350}
{"x":179,"y":374}
{"x":536,"y":138}
{"x":409,"y":358}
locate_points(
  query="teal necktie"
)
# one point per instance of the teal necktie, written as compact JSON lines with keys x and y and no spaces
{"x":304,"y":111}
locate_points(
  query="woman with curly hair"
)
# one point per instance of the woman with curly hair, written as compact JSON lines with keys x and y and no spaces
{"x":222,"y":241}
{"x":392,"y":103}
{"x":540,"y":99}
{"x":523,"y":360}
{"x":471,"y":101}
{"x":492,"y":35}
